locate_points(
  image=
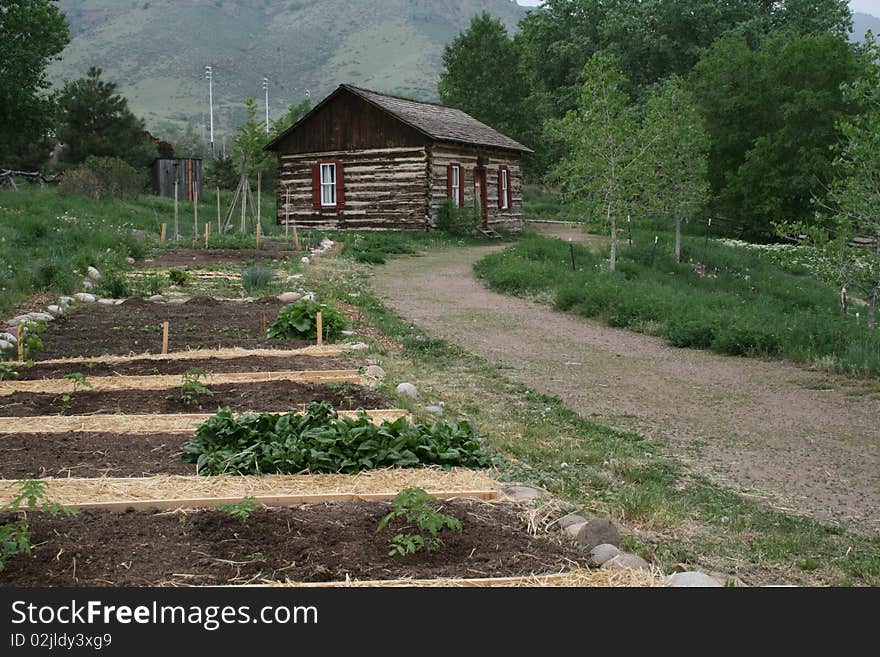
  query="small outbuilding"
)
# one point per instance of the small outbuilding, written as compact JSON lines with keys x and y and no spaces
{"x":185,"y":171}
{"x":363,"y":160}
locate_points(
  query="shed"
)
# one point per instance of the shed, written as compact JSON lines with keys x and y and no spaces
{"x":186,"y":171}
{"x":364,"y":160}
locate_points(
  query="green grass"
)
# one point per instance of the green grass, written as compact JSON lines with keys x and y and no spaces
{"x":541,"y":202}
{"x":376,"y":247}
{"x":671,"y":515}
{"x":740,"y":302}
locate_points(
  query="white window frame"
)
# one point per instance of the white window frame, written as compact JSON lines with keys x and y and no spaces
{"x":456,"y":185}
{"x":328,"y":185}
{"x":505,"y":189}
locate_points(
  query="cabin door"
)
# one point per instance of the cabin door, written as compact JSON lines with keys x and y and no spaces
{"x":481,"y":194}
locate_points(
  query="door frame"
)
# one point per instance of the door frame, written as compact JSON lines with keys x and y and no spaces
{"x":481,"y":183}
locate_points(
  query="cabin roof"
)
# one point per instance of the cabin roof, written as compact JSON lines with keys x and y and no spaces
{"x":437,"y":122}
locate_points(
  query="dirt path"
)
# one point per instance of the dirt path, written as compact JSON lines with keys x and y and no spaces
{"x":771,"y":429}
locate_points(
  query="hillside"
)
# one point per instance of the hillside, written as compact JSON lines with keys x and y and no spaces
{"x":157,"y":49}
{"x":862,"y":23}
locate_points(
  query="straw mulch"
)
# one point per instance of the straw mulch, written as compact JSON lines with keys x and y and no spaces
{"x":81,"y":491}
{"x":166,"y":381}
{"x":138,"y":425}
{"x":194,"y":354}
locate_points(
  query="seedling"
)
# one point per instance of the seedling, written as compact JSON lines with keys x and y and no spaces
{"x":79,"y":380}
{"x":191,"y":387}
{"x":7,"y":372}
{"x":15,"y":538}
{"x":414,"y":506}
{"x":241,"y":511}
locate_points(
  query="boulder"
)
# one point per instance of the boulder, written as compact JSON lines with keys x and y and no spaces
{"x":93,"y":273}
{"x":85,"y":297}
{"x":156,"y":298}
{"x":55,"y":310}
{"x":375,"y":372}
{"x":40,"y":317}
{"x":570,"y":519}
{"x":359,"y":346}
{"x":289,"y":297}
{"x":65,"y":301}
{"x":437,"y":411}
{"x":4,"y":345}
{"x":597,"y":531}
{"x":130,"y":260}
{"x":107,"y":302}
{"x":626,"y":560}
{"x":407,"y":390}
{"x":87,"y":285}
{"x":572,"y":531}
{"x":522,"y":493}
{"x":9,"y":337}
{"x":17,"y":321}
{"x":692,"y":579}
{"x":305,"y":260}
{"x":601,"y":554}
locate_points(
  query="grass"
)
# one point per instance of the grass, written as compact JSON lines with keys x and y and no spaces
{"x":731,"y":300}
{"x":541,"y":202}
{"x":376,"y":247}
{"x":670,"y":514}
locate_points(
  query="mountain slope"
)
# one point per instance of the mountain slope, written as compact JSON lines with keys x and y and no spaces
{"x":862,"y":23}
{"x":157,"y":49}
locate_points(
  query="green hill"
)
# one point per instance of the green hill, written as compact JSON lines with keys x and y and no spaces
{"x":862,"y":23}
{"x":157,"y":49}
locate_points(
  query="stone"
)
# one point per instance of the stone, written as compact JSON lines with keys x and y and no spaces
{"x":522,"y":493}
{"x":40,"y":317}
{"x":179,"y":301}
{"x":407,"y":390}
{"x":359,"y":346}
{"x":9,"y":337}
{"x":347,"y":334}
{"x":157,"y":298}
{"x":65,"y":301}
{"x":16,"y":321}
{"x":289,"y":297}
{"x":93,"y":273}
{"x":692,"y":579}
{"x":130,"y":260}
{"x":570,"y":519}
{"x":107,"y":302}
{"x":601,"y":554}
{"x":305,"y":260}
{"x":85,"y":297}
{"x":55,"y":310}
{"x":294,"y":277}
{"x":375,"y":372}
{"x":597,"y":531}
{"x":87,"y":284}
{"x":13,"y":331}
{"x":572,"y":531}
{"x":437,"y":411}
{"x":626,"y":560}
{"x":4,"y":345}
{"x":310,"y":296}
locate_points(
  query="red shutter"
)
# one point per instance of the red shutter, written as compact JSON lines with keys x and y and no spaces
{"x":316,"y":185}
{"x":449,"y":181}
{"x":461,"y":186}
{"x":509,"y":189}
{"x":500,"y":188}
{"x":340,"y":186}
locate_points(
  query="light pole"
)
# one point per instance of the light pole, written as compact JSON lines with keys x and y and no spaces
{"x":266,"y":89}
{"x":209,"y":74}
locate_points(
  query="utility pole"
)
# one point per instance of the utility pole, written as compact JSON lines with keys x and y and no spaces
{"x":266,"y":89}
{"x":209,"y":74}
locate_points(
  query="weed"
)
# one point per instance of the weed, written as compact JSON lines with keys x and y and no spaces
{"x":414,"y":506}
{"x":241,"y":511}
{"x":16,"y":538}
{"x":115,"y":285}
{"x":191,"y":386}
{"x":8,"y":372}
{"x":458,"y":221}
{"x":178,"y":277}
{"x":255,"y":278}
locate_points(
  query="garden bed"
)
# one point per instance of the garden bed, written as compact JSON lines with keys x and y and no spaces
{"x":311,"y":543}
{"x":182,"y":258}
{"x":266,"y":396}
{"x":135,"y":327}
{"x":83,"y":454}
{"x":151,"y":367}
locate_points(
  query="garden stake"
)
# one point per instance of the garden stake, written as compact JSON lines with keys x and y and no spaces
{"x":207,"y":233}
{"x":287,"y":214}
{"x":320,"y":321}
{"x":195,"y":214}
{"x":571,"y":246}
{"x":295,"y":238}
{"x":22,"y":336}
{"x":162,"y":231}
{"x":259,"y":232}
{"x":176,"y":224}
{"x":629,"y":229}
{"x":219,"y":227}
{"x":165,"y":327}
{"x":259,"y":197}
{"x":709,"y":230}
{"x":654,"y":250}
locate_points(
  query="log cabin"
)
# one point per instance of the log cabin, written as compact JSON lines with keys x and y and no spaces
{"x":363,"y":160}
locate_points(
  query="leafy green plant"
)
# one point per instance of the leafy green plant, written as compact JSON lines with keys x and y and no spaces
{"x":255,"y":278}
{"x":321,"y":441}
{"x":15,"y":538}
{"x":8,"y":372}
{"x":299,"y":320}
{"x":191,"y":387}
{"x":413,"y":505}
{"x":241,"y":511}
{"x":79,"y":380}
{"x":178,"y":277}
{"x":154,"y":284}
{"x":115,"y":285}
{"x":458,"y":221}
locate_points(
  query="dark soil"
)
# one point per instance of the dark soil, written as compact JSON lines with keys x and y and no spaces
{"x":136,"y":327}
{"x":267,"y":396}
{"x":34,"y":456}
{"x":317,"y":543}
{"x":145,"y":367}
{"x":183,"y":258}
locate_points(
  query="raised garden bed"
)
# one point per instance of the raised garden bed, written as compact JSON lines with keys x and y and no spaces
{"x":267,"y":396}
{"x":79,"y":454}
{"x":312,"y":543}
{"x":150,"y":367}
{"x":180,"y":258}
{"x":135,"y":326}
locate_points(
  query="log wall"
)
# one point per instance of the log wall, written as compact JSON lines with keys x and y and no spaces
{"x":385,"y":189}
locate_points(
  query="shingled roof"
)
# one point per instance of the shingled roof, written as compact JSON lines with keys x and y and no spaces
{"x":437,"y":122}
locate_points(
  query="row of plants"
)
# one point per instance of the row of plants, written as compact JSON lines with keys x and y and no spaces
{"x":730,"y":300}
{"x":322,"y":441}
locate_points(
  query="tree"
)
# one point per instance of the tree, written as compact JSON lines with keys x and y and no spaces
{"x":95,"y":120}
{"x":772,"y":113}
{"x":480,"y":75}
{"x":854,"y":197}
{"x":250,"y":140}
{"x":677,"y":184}
{"x":294,"y":114}
{"x":603,"y":161}
{"x":32,"y":34}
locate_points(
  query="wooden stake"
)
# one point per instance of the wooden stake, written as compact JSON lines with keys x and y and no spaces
{"x":259,"y":234}
{"x":259,"y":198}
{"x":176,"y":224}
{"x":287,"y":214}
{"x":165,"y":327}
{"x":22,"y":336}
{"x":219,"y":226}
{"x":162,"y":231}
{"x":195,"y":213}
{"x":207,"y":233}
{"x":295,"y":238}
{"x":320,"y":327}
{"x":244,"y":188}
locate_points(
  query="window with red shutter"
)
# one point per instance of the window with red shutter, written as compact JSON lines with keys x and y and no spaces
{"x":504,"y":188}
{"x":453,"y":184}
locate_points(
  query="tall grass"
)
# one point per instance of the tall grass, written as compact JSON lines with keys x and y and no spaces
{"x":730,"y":300}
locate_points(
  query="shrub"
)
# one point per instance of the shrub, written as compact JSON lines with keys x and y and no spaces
{"x":115,"y":285}
{"x":256,"y":277}
{"x":414,"y":506}
{"x":102,"y":177}
{"x":299,"y":320}
{"x":178,"y":277}
{"x":459,"y":221}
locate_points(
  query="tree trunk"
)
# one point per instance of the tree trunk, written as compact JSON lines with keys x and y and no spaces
{"x":613,"y":240}
{"x":678,"y":239}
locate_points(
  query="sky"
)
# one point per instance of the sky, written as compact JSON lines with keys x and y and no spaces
{"x":866,"y":6}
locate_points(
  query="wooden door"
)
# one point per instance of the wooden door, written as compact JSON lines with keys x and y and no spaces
{"x":481,"y":193}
